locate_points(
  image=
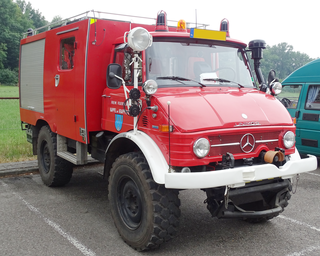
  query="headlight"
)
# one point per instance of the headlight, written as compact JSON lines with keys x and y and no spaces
{"x":276,"y":88}
{"x":150,"y":87}
{"x":201,"y":147}
{"x":139,"y":39}
{"x":289,"y":139}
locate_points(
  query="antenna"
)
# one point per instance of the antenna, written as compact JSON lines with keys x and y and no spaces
{"x":168,"y":102}
{"x":196,"y":18}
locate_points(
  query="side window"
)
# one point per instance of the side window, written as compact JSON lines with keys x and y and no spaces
{"x":123,"y":56}
{"x":67,"y":53}
{"x":289,"y":96}
{"x":313,"y":97}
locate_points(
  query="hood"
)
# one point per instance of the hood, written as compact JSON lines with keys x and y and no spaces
{"x":220,"y":108}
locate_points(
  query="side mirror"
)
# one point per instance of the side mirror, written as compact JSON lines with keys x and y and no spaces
{"x":271,"y":76}
{"x":114,"y":71}
{"x":273,"y":83}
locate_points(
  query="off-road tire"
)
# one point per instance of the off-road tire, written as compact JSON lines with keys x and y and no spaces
{"x":54,"y":170}
{"x":145,"y":213}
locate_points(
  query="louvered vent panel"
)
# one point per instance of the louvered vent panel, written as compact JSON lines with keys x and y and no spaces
{"x":145,"y":121}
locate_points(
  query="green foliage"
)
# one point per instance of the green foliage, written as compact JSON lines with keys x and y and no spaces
{"x":8,"y":77}
{"x":283,"y":60}
{"x":56,"y":18}
{"x":16,"y":18}
{"x":14,"y":145}
{"x":3,"y":54}
{"x":9,"y":91}
{"x":12,"y":25}
{"x":32,"y":15}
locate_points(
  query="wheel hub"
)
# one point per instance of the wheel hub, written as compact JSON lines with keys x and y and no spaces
{"x":46,"y":157}
{"x":130,"y":204}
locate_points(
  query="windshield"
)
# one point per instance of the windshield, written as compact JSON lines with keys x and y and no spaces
{"x":176,"y":63}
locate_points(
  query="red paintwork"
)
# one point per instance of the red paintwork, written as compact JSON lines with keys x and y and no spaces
{"x":209,"y":112}
{"x":195,"y":112}
{"x":219,"y":108}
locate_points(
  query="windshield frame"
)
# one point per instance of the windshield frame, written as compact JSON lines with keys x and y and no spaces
{"x":205,"y":43}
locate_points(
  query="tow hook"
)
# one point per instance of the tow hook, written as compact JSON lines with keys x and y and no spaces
{"x":227,"y":161}
{"x":226,"y":197}
{"x":296,"y":183}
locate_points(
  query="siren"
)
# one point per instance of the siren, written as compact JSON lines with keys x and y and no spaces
{"x":224,"y":26}
{"x":162,"y":21}
{"x":181,"y":26}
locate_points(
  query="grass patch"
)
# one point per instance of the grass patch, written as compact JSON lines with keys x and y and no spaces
{"x":14,"y":146}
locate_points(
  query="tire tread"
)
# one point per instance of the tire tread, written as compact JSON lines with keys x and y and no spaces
{"x":165,"y":202}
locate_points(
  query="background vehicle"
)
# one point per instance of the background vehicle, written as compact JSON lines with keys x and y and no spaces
{"x":300,"y":95}
{"x":165,"y":109}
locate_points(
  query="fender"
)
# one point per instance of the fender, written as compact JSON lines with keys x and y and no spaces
{"x":295,"y":155}
{"x":157,"y":163}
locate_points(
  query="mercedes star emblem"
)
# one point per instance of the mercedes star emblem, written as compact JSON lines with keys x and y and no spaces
{"x":247,"y":143}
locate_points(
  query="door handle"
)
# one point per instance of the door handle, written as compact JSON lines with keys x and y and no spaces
{"x":56,"y":80}
{"x":297,"y":114}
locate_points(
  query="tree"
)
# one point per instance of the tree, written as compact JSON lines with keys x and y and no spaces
{"x":16,"y":18}
{"x":56,"y":18}
{"x":3,"y":54}
{"x":283,"y":60}
{"x":31,"y":14}
{"x":56,"y":21}
{"x":12,"y":25}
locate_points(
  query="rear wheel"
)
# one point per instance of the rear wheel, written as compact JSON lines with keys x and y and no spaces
{"x":54,"y":170}
{"x":145,"y":213}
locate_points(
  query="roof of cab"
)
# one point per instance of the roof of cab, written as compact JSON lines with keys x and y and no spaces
{"x":309,"y":73}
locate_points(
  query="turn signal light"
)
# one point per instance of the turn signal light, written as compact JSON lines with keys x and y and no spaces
{"x":294,"y":120}
{"x":165,"y":128}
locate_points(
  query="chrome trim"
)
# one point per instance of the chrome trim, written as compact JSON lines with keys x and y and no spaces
{"x":85,"y":83}
{"x":245,"y":142}
{"x":263,"y":141}
{"x":225,"y":145}
{"x":238,"y":143}
{"x":67,"y":31}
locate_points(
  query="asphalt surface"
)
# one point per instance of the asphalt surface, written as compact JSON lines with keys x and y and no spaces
{"x":75,"y":220}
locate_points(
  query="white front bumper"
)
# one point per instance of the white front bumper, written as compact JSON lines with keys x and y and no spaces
{"x":237,"y":177}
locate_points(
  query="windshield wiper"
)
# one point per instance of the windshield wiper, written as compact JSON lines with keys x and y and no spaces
{"x":180,"y":79}
{"x":223,"y":81}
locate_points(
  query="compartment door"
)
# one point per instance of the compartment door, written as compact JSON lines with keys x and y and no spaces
{"x":69,"y":84}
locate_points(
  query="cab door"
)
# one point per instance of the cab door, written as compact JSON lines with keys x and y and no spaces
{"x":303,"y":103}
{"x":308,"y":122}
{"x":115,"y":97}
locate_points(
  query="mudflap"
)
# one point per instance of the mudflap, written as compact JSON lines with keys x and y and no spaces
{"x":260,"y":200}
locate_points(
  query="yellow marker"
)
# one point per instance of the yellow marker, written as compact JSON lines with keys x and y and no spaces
{"x":93,"y":21}
{"x":208,"y":34}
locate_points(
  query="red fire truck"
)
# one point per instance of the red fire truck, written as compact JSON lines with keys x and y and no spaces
{"x":165,"y":109}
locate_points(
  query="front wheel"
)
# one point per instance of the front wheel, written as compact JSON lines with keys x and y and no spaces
{"x":145,"y":213}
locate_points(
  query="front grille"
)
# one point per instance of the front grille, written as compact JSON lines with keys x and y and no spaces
{"x":231,"y":142}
